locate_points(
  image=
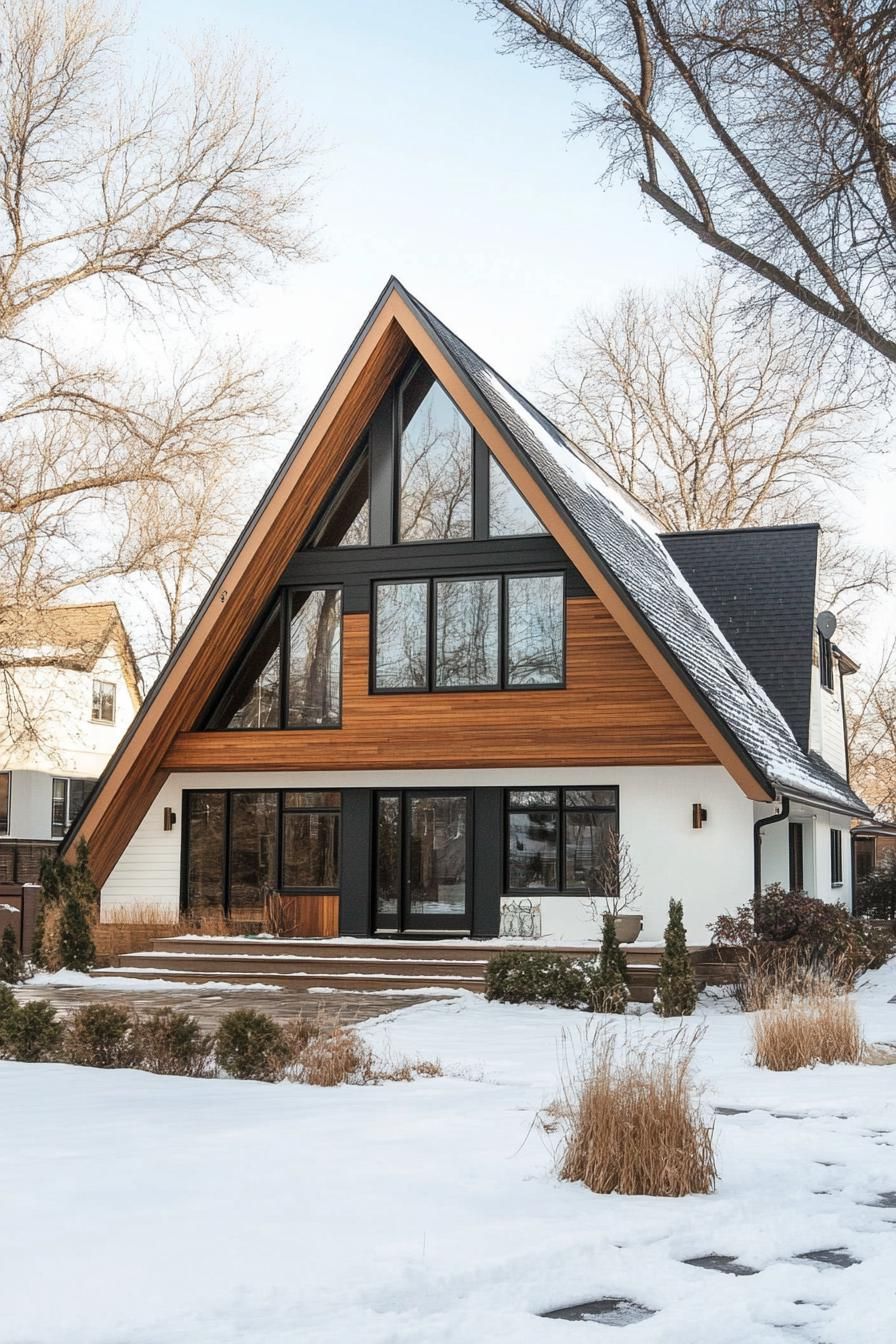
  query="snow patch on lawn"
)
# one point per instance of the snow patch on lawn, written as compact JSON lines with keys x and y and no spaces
{"x":150,"y":1210}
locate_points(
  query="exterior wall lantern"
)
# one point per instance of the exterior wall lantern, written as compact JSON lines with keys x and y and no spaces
{"x":698,"y":812}
{"x":169,"y":818}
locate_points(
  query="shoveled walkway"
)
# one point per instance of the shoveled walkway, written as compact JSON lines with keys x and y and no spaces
{"x":209,"y":1005}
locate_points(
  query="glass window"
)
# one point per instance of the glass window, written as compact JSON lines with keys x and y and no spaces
{"x":59,"y":808}
{"x":252,"y":700}
{"x":78,"y":792}
{"x":467,"y":625}
{"x":206,"y":824}
{"x":4,"y":804}
{"x":388,"y":859}
{"x":508,"y":513}
{"x":253,"y":849}
{"x":315,"y":658}
{"x":535,"y":630}
{"x":561,"y":840}
{"x":103,"y":710}
{"x":436,"y":463}
{"x":347,"y":520}
{"x":437,"y":854}
{"x":836,"y":858}
{"x":311,"y":851}
{"x":313,"y":800}
{"x":402,"y":611}
{"x":532,"y":851}
{"x":826,"y":662}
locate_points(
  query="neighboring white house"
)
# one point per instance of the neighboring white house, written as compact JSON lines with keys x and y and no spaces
{"x":69,"y":692}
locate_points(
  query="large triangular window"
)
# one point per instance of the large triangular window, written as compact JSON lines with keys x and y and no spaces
{"x":252,"y":697}
{"x":346,"y":521}
{"x":508,"y":513}
{"x":435,"y":463}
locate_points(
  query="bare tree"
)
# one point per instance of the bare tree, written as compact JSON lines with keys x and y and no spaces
{"x":871,"y":730}
{"x":710,"y":430}
{"x":764,"y":128}
{"x":136,"y":198}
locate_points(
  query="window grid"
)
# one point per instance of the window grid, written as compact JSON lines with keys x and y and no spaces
{"x":825,"y":662}
{"x":836,"y":858}
{"x":430,"y":683}
{"x":560,"y":804}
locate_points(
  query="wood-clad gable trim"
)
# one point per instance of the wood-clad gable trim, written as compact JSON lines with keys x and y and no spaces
{"x":393,"y":330}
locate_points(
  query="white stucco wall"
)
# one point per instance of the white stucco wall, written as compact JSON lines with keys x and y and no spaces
{"x":817,"y":824}
{"x":710,"y":870}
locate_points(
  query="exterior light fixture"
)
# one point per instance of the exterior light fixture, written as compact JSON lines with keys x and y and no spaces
{"x":699,"y":816}
{"x":169,"y":817}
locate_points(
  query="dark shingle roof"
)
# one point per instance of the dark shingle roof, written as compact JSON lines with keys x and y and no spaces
{"x":634,"y":559}
{"x":758,"y":584}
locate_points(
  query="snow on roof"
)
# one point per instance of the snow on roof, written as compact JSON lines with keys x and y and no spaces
{"x":625,"y":539}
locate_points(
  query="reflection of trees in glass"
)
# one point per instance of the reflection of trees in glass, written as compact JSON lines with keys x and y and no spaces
{"x":315,"y":639}
{"x":347,"y":520}
{"x":535,"y":630}
{"x":436,"y":497}
{"x":253,"y":847}
{"x":253,"y":698}
{"x":311,"y":850}
{"x":532,"y":857}
{"x":508,"y":513}
{"x":205,"y":876}
{"x":467,"y":623}
{"x":401,"y":620}
{"x":437,"y":875}
{"x":388,"y":856}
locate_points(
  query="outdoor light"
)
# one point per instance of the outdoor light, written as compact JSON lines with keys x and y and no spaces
{"x":699,"y":814}
{"x":169,"y":817}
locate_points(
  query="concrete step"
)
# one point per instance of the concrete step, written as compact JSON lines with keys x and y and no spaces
{"x":324,"y":980}
{"x":311,"y":965}
{"x":378,"y":949}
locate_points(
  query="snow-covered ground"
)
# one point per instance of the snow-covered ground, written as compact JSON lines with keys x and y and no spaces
{"x":146,"y":1210}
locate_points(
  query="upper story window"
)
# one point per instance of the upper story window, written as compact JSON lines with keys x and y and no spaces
{"x":347,"y":520}
{"x":469,"y":633}
{"x":825,"y":662}
{"x":68,"y":799}
{"x":103,"y":710}
{"x":291,"y":674}
{"x":508,"y":513}
{"x":836,"y":858}
{"x":435,"y":477}
{"x":4,"y":804}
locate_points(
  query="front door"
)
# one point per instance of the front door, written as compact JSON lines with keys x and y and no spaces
{"x":423,"y":865}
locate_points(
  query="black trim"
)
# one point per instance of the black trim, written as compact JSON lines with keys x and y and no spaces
{"x":825,"y":663}
{"x":414,"y":926}
{"x":561,"y":809}
{"x":836,"y":857}
{"x":758,"y":827}
{"x":796,"y":856}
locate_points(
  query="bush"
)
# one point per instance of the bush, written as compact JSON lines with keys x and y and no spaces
{"x":676,"y":991}
{"x":8,"y":1010}
{"x":170,"y":1042}
{"x":876,"y":893}
{"x":33,"y":1033}
{"x":341,"y":1057}
{"x":12,"y":967}
{"x":100,"y":1036}
{"x":824,"y":932}
{"x":633,"y":1126}
{"x":607,"y":978}
{"x":249,"y":1044}
{"x":77,"y":950}
{"x":821,"y":1028}
{"x":519,"y":976}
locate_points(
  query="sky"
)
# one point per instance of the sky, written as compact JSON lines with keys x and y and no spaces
{"x":448,"y":164}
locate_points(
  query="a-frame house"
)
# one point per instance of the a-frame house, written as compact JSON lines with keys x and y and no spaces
{"x":449,"y":660}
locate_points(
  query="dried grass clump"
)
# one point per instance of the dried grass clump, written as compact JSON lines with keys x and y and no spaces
{"x":337,"y":1058}
{"x":767,"y":977}
{"x":820,"y":1028}
{"x":406,"y":1070}
{"x":632,"y":1122}
{"x":51,"y":957}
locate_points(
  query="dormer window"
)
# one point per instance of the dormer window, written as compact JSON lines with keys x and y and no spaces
{"x":826,"y":662}
{"x":103,"y":710}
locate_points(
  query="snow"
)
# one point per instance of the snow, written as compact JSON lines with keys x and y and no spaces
{"x":149,"y":1210}
{"x":77,"y":980}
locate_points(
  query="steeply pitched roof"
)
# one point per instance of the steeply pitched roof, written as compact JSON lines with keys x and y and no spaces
{"x":633,"y":557}
{"x":758,"y":584}
{"x":71,"y":636}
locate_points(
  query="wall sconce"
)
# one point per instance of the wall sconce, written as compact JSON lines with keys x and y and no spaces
{"x":699,"y":816}
{"x":169,"y":817}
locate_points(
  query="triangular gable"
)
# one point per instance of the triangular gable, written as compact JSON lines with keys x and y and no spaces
{"x":396,"y":326}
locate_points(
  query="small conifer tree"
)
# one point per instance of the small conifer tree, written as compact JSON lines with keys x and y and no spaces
{"x":676,"y":992}
{"x":76,"y":945}
{"x":11,"y":964}
{"x":51,"y":883}
{"x":609,"y":990}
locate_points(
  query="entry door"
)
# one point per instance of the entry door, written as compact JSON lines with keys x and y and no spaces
{"x":424,"y":862}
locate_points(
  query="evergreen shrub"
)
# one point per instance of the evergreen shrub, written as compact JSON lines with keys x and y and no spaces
{"x":249,"y":1044}
{"x":100,"y":1036}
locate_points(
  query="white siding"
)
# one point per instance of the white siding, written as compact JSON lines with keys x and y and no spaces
{"x":817,"y":826}
{"x":710,"y":870}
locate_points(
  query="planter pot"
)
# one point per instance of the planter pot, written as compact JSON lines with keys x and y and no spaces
{"x":628,"y":927}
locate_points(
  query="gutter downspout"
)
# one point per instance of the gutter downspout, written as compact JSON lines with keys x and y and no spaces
{"x":757,"y":850}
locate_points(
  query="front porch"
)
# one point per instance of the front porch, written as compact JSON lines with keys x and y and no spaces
{"x":371,"y":965}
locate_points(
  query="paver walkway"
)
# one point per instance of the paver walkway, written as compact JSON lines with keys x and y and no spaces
{"x":209,"y":1005}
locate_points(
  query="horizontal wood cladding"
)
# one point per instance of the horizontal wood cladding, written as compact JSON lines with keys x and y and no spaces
{"x":613,"y":711}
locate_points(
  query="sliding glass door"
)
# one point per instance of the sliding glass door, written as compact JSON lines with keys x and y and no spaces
{"x":423,"y":873}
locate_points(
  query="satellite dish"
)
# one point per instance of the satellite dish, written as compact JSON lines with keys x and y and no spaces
{"x":826,"y":624}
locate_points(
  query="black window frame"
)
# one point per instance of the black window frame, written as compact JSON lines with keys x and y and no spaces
{"x":503,"y":684}
{"x":836,"y":857}
{"x":6,"y":814}
{"x":99,"y":718}
{"x":334,"y":498}
{"x":283,"y":601}
{"x":796,"y":856}
{"x":825,"y":663}
{"x":403,"y":926}
{"x":486,"y":488}
{"x":187,"y":796}
{"x":475,"y":485}
{"x":560,"y":810}
{"x":59,"y":829}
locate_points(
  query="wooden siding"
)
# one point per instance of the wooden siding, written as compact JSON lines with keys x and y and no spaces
{"x":613,"y":711}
